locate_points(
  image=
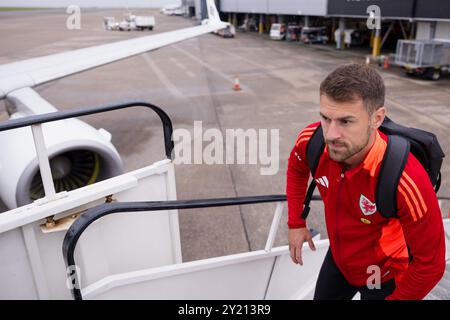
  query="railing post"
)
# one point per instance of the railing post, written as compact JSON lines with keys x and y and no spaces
{"x":44,"y":164}
{"x":274,"y":227}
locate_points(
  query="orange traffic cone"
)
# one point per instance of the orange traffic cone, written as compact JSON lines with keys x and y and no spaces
{"x":237,"y":86}
{"x":386,"y":63}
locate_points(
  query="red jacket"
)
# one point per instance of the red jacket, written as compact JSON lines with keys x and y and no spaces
{"x":359,"y":236}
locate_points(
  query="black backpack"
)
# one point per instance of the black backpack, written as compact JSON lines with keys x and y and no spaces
{"x":401,"y":140}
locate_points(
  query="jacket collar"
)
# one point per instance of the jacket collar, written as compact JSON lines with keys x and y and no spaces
{"x":370,"y":161}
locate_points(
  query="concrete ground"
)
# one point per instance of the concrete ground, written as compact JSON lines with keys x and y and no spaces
{"x":192,"y":81}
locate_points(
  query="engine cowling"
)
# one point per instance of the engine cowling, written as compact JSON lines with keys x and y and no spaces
{"x":78,"y":153}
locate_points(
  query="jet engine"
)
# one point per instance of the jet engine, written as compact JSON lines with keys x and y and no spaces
{"x":79,"y":155}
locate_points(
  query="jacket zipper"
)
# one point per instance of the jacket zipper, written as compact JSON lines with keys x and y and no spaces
{"x":338,"y":218}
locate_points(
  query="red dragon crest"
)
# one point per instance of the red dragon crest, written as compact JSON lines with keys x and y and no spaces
{"x":367,"y":207}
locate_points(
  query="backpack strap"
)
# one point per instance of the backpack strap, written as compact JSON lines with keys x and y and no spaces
{"x":314,"y":150}
{"x":438,"y":182}
{"x":391,"y":169}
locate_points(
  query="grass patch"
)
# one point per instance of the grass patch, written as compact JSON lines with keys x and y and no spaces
{"x":19,"y":8}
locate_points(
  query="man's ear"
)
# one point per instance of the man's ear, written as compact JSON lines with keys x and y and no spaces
{"x":378,"y":117}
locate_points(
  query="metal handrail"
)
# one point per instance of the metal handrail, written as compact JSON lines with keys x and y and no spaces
{"x":80,"y":225}
{"x":65,"y":114}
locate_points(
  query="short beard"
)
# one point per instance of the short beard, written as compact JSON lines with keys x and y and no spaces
{"x":341,"y":157}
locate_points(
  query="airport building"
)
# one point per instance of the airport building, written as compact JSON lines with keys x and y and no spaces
{"x":400,"y":19}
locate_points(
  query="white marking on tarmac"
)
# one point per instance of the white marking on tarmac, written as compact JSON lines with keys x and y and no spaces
{"x":182,"y":67}
{"x":211,"y":68}
{"x":162,"y":77}
{"x":234,"y":55}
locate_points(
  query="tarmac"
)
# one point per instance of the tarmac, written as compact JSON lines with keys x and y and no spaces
{"x":192,"y":81}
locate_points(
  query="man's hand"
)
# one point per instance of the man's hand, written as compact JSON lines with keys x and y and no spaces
{"x":296,"y":239}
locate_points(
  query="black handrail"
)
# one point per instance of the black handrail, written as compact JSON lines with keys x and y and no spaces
{"x":82,"y":223}
{"x":77,"y":112}
{"x":97,"y":212}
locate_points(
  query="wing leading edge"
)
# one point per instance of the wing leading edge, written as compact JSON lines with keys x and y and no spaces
{"x":35,"y":71}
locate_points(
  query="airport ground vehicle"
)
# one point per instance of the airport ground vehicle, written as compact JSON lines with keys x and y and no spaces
{"x":228,"y":32}
{"x":144,"y":22}
{"x":173,"y":10}
{"x":426,"y":58}
{"x":249,"y":24}
{"x":278,"y":31}
{"x":133,"y":22}
{"x":110,"y":23}
{"x":311,"y":35}
{"x":293,"y":32}
{"x":359,"y":38}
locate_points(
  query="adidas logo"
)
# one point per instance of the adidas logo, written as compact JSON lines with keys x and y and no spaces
{"x":322,"y":181}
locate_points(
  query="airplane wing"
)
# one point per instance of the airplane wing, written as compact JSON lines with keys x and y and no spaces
{"x":20,"y":183}
{"x":35,"y":71}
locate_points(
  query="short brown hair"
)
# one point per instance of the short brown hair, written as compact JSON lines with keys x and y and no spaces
{"x":351,"y":82}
